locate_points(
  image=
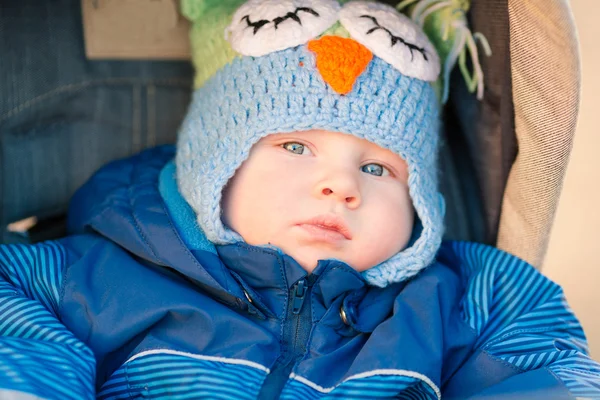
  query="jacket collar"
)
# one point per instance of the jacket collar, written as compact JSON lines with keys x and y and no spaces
{"x":266,"y":275}
{"x":135,"y":203}
{"x":271,"y":274}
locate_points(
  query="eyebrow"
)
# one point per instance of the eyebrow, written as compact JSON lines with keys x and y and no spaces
{"x":395,"y":39}
{"x":278,"y":20}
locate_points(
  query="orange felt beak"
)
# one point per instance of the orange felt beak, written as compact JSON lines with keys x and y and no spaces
{"x":340,"y":61}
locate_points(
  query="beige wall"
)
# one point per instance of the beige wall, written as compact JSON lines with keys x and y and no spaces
{"x":573,"y":259}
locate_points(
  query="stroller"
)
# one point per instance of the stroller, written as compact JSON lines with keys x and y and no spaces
{"x":63,"y":116}
{"x":503,"y":157}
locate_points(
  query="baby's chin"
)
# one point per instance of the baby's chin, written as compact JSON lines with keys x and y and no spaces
{"x":308,"y":259}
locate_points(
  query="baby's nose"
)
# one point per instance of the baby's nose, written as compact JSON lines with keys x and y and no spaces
{"x":350,"y":200}
{"x":343,"y":190}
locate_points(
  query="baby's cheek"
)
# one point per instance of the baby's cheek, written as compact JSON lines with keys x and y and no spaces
{"x":227,"y":208}
{"x":375,"y":252}
{"x":388,"y":230}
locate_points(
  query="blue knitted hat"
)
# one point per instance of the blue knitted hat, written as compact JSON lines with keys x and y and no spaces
{"x":276,"y":86}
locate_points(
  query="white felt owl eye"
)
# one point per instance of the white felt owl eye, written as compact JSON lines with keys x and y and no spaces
{"x":260,"y":27}
{"x":393,"y":37}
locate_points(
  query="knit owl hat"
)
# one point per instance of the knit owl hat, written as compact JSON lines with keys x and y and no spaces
{"x":360,"y":68}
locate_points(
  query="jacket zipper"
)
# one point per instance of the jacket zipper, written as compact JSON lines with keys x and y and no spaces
{"x":303,"y":320}
{"x":298,"y":301}
{"x":300,"y":289}
{"x":299,"y":324}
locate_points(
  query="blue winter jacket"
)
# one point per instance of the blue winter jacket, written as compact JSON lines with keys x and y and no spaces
{"x":137,"y":304}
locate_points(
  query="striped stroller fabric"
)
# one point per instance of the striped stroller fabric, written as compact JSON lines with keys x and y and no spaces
{"x":523,"y":318}
{"x":38,"y":355}
{"x":520,"y":317}
{"x":380,"y":385}
{"x":176,"y":375}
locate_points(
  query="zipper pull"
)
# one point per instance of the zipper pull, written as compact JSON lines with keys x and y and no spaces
{"x":299,"y":295}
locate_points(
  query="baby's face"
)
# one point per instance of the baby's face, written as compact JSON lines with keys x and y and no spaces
{"x":319,"y":195}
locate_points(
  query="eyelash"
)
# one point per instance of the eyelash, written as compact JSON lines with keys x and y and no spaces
{"x":286,"y":143}
{"x":389,"y":171}
{"x":293,"y":15}
{"x":396,"y":39}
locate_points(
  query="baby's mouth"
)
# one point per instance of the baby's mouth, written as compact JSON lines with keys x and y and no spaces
{"x":328,"y":227}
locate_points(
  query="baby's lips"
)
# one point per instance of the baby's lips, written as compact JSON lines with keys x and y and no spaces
{"x":340,"y":61}
{"x":330,"y":222}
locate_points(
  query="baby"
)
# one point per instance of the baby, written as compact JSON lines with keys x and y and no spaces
{"x":289,"y":247}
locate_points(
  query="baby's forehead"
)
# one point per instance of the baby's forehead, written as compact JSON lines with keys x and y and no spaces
{"x":326,"y":136}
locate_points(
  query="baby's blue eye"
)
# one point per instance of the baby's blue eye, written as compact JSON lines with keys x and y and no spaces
{"x":375,"y":169}
{"x":295,"y":147}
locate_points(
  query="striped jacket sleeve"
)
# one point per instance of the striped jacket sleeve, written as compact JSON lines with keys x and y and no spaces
{"x":39,"y":357}
{"x":523,"y":319}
